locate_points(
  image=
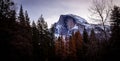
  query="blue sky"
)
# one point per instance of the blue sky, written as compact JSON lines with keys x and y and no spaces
{"x":52,"y":9}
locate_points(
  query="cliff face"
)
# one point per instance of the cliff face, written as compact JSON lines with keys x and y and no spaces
{"x":70,"y":23}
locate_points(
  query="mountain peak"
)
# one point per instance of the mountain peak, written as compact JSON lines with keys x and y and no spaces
{"x":76,"y":18}
{"x":70,"y":23}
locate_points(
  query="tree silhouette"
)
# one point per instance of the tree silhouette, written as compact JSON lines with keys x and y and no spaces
{"x":21,"y":16}
{"x":85,"y":36}
{"x":115,"y":39}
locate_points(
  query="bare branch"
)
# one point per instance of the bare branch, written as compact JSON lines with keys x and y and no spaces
{"x":101,"y":10}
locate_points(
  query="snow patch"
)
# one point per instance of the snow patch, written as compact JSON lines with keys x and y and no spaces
{"x":75,"y":27}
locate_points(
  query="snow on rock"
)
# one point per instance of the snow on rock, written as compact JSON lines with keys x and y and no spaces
{"x":70,"y":23}
{"x":75,"y":27}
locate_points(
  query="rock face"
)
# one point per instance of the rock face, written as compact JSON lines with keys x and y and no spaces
{"x":70,"y":23}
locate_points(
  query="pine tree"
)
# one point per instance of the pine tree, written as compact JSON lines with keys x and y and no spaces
{"x":45,"y":38}
{"x":72,"y":47}
{"x":21,"y":16}
{"x":25,"y":35}
{"x":59,"y":48}
{"x":52,"y":44}
{"x":57,"y":44}
{"x":63,"y":48}
{"x":7,"y":14}
{"x":7,"y":29}
{"x":35,"y":42}
{"x":35,"y":34}
{"x":92,"y":36}
{"x":79,"y":45}
{"x":78,"y":38}
{"x":93,"y":49}
{"x":115,"y":39}
{"x":115,"y":25}
{"x":85,"y":36}
{"x":27,"y":19}
{"x":67,"y":46}
{"x":42,"y":24}
{"x":28,"y":27}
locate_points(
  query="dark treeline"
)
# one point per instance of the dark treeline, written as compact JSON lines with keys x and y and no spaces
{"x":20,"y":41}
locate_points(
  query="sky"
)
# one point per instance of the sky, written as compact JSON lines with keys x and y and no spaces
{"x":52,"y":9}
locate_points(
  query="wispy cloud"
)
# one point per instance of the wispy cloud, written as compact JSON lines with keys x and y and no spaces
{"x":52,"y":9}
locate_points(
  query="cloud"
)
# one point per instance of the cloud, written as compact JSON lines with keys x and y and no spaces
{"x":52,"y":9}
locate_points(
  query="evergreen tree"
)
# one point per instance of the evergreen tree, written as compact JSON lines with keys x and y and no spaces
{"x":85,"y":36}
{"x":115,"y":25}
{"x":44,"y":40}
{"x":35,"y":34}
{"x":115,"y":39}
{"x":7,"y":14}
{"x":79,"y":45}
{"x":35,"y":42}
{"x":28,"y":27}
{"x":52,"y":44}
{"x":72,"y":47}
{"x":59,"y":48}
{"x":25,"y":35}
{"x":27,"y":19}
{"x":21,"y":16}
{"x":93,"y":49}
{"x":92,"y":36}
{"x":7,"y":29}
{"x":78,"y":38}
{"x":42,"y":25}
{"x":57,"y":44}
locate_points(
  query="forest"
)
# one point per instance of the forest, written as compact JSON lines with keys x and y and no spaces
{"x":23,"y":40}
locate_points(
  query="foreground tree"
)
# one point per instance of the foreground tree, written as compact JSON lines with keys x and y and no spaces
{"x":115,"y":25}
{"x":115,"y":39}
{"x":35,"y":42}
{"x":21,"y":17}
{"x":44,"y":39}
{"x":7,"y":24}
{"x":101,"y":11}
{"x":15,"y":44}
